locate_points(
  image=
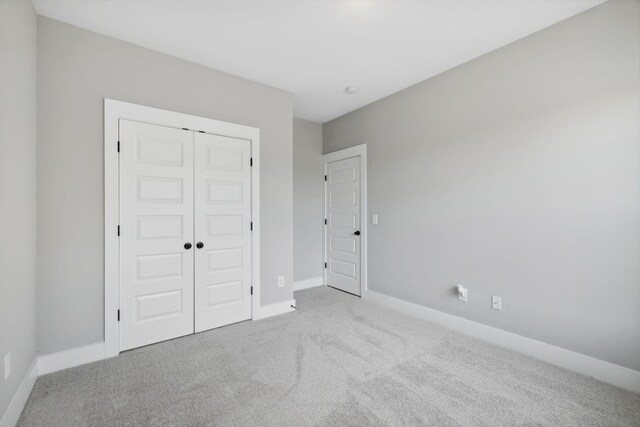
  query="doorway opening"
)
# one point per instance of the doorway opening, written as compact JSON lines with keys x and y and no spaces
{"x":345,"y":213}
{"x":182,"y":225}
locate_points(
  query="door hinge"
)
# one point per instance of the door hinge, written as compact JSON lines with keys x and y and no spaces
{"x":325,"y":221}
{"x":118,"y":230}
{"x":250,"y":161}
{"x":325,"y":177}
{"x":252,"y":290}
{"x":325,"y":265}
{"x":251,"y":226}
{"x":118,"y":146}
{"x":118,"y":315}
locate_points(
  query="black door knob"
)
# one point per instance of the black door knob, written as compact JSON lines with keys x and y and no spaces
{"x":187,"y":246}
{"x":357,"y":233}
{"x":199,"y":245}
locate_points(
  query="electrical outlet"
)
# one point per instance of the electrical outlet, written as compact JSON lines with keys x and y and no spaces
{"x":496,"y":303}
{"x":7,"y":365}
{"x":462,"y":293}
{"x":374,"y":219}
{"x":281,"y":281}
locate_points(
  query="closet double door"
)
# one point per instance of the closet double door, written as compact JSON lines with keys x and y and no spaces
{"x":185,"y":232}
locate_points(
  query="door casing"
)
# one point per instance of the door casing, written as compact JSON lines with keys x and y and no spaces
{"x":355,"y":151}
{"x":115,"y":110}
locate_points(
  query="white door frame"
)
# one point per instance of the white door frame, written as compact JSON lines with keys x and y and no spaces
{"x":115,"y":110}
{"x":355,"y":151}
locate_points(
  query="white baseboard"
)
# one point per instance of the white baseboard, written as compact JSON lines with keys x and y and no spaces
{"x":308,"y":283}
{"x":19,"y":400}
{"x":275,"y":309}
{"x":53,"y":362}
{"x":604,"y":371}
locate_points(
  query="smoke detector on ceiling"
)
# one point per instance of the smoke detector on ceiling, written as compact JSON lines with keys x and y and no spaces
{"x":351,"y":90}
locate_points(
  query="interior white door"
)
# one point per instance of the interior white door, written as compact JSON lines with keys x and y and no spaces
{"x":342,"y":206}
{"x":222,"y":230}
{"x":156,"y":233}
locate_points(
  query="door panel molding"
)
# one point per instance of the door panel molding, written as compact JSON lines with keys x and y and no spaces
{"x":156,"y":274}
{"x":345,"y":176}
{"x":169,"y":155}
{"x":222,"y":191}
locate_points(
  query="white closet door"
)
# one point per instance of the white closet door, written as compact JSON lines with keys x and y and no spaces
{"x":156,"y":221}
{"x":222,"y":230}
{"x":343,"y":225}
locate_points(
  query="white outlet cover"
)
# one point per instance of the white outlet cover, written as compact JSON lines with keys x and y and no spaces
{"x":465,"y":294}
{"x":7,"y":365}
{"x":496,"y":303}
{"x":281,"y":281}
{"x":374,"y":219}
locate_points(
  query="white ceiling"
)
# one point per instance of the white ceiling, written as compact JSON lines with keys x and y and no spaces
{"x":316,"y":48}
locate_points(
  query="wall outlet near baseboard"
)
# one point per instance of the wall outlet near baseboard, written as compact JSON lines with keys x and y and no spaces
{"x":462,"y":293}
{"x":496,"y":303}
{"x":7,"y":365}
{"x":281,"y":281}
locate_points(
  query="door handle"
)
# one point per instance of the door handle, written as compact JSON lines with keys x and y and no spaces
{"x":199,"y":245}
{"x":187,"y":246}
{"x":357,"y":233}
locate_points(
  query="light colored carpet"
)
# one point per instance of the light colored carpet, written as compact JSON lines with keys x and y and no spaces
{"x":338,"y":361}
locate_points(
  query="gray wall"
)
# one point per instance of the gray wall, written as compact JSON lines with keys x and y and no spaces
{"x":77,"y":69}
{"x":18,"y":56}
{"x":517,"y":174}
{"x":308,"y":191}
